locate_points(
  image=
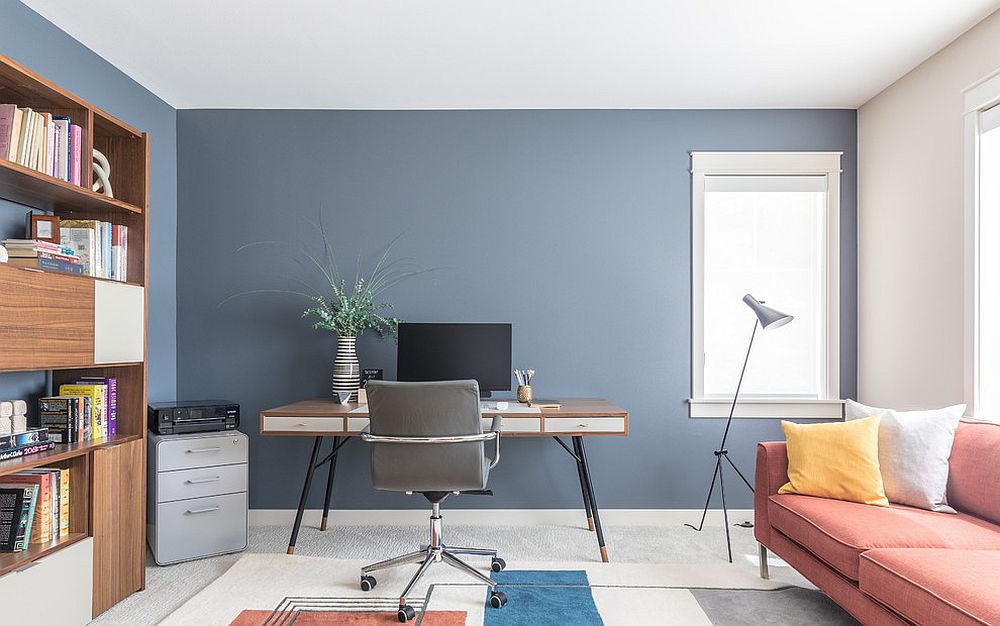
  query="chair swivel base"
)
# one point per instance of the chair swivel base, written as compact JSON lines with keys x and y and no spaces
{"x":433,"y":553}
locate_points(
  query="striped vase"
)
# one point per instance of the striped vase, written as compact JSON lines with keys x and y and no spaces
{"x":346,"y":369}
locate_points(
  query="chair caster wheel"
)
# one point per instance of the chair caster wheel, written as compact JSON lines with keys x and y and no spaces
{"x":368,"y":583}
{"x":405,"y":613}
{"x":498,"y":564}
{"x":498,"y":599}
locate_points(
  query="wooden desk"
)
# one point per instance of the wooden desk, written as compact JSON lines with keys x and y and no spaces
{"x":577,"y":418}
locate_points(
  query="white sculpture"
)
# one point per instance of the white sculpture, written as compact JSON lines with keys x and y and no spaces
{"x":102,"y":172}
{"x":19,"y":421}
{"x":3,"y":254}
{"x":6,"y":411}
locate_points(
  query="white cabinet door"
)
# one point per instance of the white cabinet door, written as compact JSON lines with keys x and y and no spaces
{"x":55,"y":590}
{"x":119,"y":322}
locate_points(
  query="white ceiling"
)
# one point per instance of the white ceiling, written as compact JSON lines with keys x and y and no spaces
{"x":474,"y":54}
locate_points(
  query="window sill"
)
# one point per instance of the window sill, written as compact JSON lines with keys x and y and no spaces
{"x":766,"y":408}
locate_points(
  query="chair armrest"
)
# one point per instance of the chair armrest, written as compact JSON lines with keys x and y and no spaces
{"x":771,"y":474}
{"x":495,"y":428}
{"x":487,"y":436}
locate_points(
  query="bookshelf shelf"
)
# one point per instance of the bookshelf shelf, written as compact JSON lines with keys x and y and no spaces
{"x":41,"y":191}
{"x":61,"y":453}
{"x":62,"y":323}
{"x":11,"y":561}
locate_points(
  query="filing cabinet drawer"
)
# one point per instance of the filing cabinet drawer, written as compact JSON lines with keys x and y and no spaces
{"x":304,"y":424}
{"x":201,"y":527}
{"x":201,"y":482}
{"x":584,"y":424}
{"x":194,"y":452}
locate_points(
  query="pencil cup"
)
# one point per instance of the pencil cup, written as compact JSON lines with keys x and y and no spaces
{"x":524,"y":393}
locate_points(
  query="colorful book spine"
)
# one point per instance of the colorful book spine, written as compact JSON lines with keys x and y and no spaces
{"x":97,"y":428}
{"x":110,"y":397}
{"x":76,"y":136}
{"x":29,"y":437}
{"x":59,"y":415}
{"x":7,"y":114}
{"x":64,"y":482}
{"x":42,"y":530}
{"x":25,"y":450}
{"x":17,"y":508}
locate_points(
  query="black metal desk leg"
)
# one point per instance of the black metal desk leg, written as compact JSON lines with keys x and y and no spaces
{"x":578,"y":441}
{"x":310,"y":470}
{"x":583,"y":487}
{"x":329,"y":483}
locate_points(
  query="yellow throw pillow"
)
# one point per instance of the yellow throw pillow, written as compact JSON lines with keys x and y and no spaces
{"x":837,"y":460}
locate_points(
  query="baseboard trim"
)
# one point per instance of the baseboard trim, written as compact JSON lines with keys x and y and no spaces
{"x":501,"y":517}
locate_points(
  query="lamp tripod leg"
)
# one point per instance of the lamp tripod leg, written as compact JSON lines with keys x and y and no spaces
{"x":725,"y":513}
{"x":708,"y":499}
{"x":733,"y":465}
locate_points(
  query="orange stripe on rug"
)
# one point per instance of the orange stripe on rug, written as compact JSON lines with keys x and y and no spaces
{"x":251,"y":617}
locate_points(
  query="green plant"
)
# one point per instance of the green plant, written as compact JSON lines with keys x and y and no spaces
{"x":349,"y":308}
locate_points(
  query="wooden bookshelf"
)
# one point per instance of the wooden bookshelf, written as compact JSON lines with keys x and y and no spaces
{"x":53,"y":322}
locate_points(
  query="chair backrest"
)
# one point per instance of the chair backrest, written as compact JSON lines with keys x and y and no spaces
{"x":431,"y":409}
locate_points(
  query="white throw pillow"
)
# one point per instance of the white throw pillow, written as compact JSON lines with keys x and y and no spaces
{"x":913,"y":452}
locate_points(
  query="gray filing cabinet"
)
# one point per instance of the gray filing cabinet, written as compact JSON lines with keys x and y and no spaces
{"x":196,"y":498}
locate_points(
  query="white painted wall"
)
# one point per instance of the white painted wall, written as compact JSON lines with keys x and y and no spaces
{"x":910,"y":221}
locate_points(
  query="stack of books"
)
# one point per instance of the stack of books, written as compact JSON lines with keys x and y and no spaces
{"x":29,"y":442}
{"x":43,"y":255}
{"x":50,"y":144}
{"x":101,"y":246}
{"x":83,"y":411}
{"x":34,"y":507}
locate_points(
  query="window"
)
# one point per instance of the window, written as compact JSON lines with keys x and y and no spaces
{"x":766,"y":224}
{"x":982,"y":249}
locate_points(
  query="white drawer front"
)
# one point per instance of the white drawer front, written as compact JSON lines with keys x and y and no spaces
{"x":304,"y":424}
{"x":119,"y":323}
{"x":201,"y":452}
{"x":55,"y":590}
{"x":515,"y":424}
{"x":584,"y":424}
{"x":201,"y":482}
{"x":357,"y":424}
{"x":190,"y":529}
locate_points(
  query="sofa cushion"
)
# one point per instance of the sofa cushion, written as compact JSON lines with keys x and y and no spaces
{"x":974,"y":474}
{"x":933,"y":586}
{"x":838,"y":532}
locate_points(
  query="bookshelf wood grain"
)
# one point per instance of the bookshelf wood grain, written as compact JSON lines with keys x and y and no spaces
{"x":45,"y":325}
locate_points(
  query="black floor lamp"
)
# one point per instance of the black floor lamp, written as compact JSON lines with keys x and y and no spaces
{"x":766,"y":318}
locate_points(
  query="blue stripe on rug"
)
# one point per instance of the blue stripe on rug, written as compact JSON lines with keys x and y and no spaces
{"x":540,"y":597}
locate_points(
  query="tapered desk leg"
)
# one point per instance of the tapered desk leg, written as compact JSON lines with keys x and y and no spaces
{"x":582,"y":453}
{"x":583,"y":488}
{"x":310,"y":470}
{"x":329,"y":483}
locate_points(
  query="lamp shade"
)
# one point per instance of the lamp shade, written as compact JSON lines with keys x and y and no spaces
{"x":768,"y":317}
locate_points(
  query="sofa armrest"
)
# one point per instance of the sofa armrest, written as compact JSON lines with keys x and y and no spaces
{"x":771,"y":474}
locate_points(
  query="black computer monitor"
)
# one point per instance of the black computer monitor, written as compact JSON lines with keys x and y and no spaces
{"x":428,"y":352}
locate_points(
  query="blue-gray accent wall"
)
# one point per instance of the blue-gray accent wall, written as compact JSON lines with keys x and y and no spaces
{"x":36,"y":43}
{"x":572,"y":225}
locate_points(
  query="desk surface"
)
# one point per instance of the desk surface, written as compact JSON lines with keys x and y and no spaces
{"x":577,"y":416}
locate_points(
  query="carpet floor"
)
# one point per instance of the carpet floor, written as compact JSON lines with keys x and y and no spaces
{"x":169,"y":587}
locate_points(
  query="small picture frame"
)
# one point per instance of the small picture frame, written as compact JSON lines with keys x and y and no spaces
{"x":43,"y":227}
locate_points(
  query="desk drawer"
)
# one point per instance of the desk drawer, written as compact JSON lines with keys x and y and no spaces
{"x":195,"y":452}
{"x":304,"y":424}
{"x":356,"y":424}
{"x":584,"y":424}
{"x":515,"y":424}
{"x":198,"y":483}
{"x":202,"y":527}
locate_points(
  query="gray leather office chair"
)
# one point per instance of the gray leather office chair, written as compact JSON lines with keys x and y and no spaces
{"x":428,"y":438}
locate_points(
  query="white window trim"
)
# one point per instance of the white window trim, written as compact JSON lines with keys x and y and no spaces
{"x":777,"y":164}
{"x":979,"y":96}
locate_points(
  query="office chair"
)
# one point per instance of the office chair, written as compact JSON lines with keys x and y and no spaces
{"x":428,"y":438}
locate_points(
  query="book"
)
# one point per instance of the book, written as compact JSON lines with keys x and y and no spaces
{"x":17,"y":509}
{"x":95,"y":393}
{"x":64,"y":501}
{"x":75,"y":139}
{"x":34,"y":448}
{"x":544,"y":403}
{"x":27,"y":129}
{"x":81,"y":241}
{"x":110,"y":388}
{"x":59,"y":414}
{"x":15,"y":137}
{"x":62,"y":147}
{"x":97,"y":268}
{"x":27,"y":438}
{"x":7,"y":114}
{"x":48,"y":146}
{"x":52,"y":265}
{"x":42,"y":530}
{"x":117,"y":252}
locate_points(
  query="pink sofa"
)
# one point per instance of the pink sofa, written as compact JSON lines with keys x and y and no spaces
{"x":896,"y":565}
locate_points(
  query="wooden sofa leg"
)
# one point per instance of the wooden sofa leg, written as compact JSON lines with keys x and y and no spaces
{"x":762,"y":551}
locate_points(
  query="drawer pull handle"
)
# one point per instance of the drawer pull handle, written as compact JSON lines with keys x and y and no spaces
{"x":302,"y":424}
{"x":207,"y":509}
{"x":201,"y":481}
{"x":582,"y":425}
{"x":197,"y":450}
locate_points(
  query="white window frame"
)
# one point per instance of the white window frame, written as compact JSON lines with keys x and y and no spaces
{"x":827,"y":164}
{"x":980,"y":96}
